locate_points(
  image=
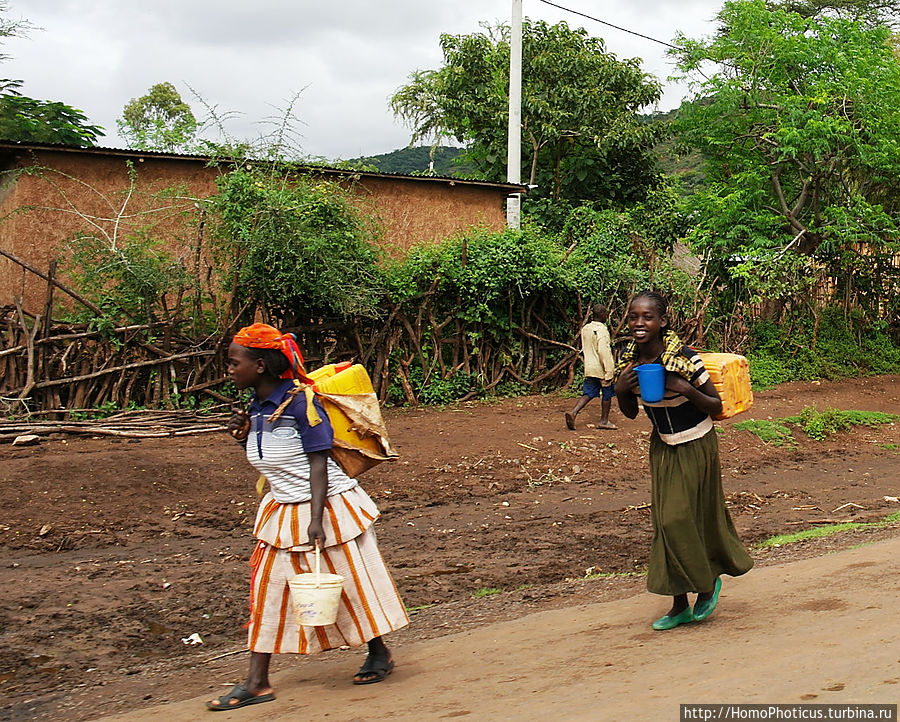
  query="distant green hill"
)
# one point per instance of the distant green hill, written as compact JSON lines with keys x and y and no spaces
{"x":415,"y":161}
{"x":448,"y":160}
{"x":686,"y":167}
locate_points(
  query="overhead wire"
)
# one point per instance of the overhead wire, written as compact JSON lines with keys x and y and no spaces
{"x":617,"y":27}
{"x":604,"y":22}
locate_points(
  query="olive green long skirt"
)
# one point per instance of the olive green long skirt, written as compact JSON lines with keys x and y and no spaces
{"x":694,"y":540}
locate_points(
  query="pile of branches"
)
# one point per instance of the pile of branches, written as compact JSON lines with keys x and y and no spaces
{"x":136,"y":424}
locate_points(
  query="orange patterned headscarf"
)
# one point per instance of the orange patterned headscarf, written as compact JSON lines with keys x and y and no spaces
{"x":262,"y":335}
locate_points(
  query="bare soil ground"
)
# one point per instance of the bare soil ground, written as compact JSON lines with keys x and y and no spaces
{"x":112,"y":553}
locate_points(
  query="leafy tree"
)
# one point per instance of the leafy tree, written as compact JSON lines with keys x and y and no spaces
{"x":581,"y":137}
{"x":43,"y":121}
{"x":875,"y":12}
{"x":29,"y":120}
{"x":159,"y":120}
{"x":799,"y":127}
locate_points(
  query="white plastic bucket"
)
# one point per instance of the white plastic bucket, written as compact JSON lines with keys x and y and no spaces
{"x":316,"y":597}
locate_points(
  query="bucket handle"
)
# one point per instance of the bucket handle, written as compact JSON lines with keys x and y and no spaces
{"x":318,"y":556}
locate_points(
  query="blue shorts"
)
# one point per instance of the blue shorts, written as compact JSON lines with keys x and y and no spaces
{"x":594,"y":388}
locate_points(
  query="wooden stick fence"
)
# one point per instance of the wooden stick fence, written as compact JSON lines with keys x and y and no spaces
{"x":73,"y":368}
{"x":53,"y":368}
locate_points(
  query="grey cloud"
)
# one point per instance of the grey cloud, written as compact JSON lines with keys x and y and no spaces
{"x":349,"y":56}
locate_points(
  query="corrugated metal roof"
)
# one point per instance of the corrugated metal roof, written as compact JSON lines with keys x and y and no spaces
{"x":162,"y":155}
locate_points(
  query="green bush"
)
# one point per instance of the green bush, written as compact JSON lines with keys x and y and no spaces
{"x":819,"y":425}
{"x":841,"y":347}
{"x":603,"y":263}
{"x":128,"y":280}
{"x":485,"y":288}
{"x":295,"y":246}
{"x":766,"y":369}
{"x":444,"y":391}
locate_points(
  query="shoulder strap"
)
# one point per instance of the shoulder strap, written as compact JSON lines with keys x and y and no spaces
{"x":312,"y":415}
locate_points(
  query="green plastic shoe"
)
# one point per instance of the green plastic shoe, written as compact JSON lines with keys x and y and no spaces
{"x":704,"y":608}
{"x":668,"y":622}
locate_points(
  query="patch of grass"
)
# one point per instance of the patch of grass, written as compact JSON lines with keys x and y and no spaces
{"x":486,"y":592}
{"x":816,"y":424}
{"x":819,"y":425}
{"x":814,"y":533}
{"x":889,"y":447}
{"x":413,"y":610}
{"x":770,"y":431}
{"x":827,"y":530}
{"x":590,"y":573}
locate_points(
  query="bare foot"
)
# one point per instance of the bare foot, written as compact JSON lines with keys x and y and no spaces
{"x":606,"y":425}
{"x":570,"y":421}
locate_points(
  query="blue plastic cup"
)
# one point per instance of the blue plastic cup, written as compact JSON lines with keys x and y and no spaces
{"x":652,"y":380}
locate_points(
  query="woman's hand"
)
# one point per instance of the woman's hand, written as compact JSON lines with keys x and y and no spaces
{"x":318,"y":482}
{"x":706,"y":398}
{"x":627,"y":381}
{"x":679,"y":385}
{"x":626,"y":390}
{"x":239,"y":425}
{"x":316,"y":534}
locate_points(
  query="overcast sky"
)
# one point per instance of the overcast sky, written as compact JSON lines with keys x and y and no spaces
{"x":346,"y":56}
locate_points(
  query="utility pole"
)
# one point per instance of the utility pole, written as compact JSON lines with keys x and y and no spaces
{"x":514,"y":138}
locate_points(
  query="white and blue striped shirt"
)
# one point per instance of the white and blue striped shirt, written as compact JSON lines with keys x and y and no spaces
{"x":280,"y":450}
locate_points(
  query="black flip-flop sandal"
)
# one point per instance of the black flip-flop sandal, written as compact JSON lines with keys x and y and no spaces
{"x":244,"y":697}
{"x":375,"y":665}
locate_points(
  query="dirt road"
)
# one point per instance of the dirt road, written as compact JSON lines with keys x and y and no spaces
{"x":821,"y":630}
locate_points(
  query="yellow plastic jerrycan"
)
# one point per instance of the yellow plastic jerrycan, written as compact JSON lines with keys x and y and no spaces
{"x":730,"y":374}
{"x":342,"y":378}
{"x":347,"y":379}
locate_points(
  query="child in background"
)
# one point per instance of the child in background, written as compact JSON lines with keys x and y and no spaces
{"x":291,"y":450}
{"x":694,"y":540}
{"x":598,"y":369}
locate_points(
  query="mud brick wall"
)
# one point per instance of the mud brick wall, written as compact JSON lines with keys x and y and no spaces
{"x":425,"y":211}
{"x":78,"y":189}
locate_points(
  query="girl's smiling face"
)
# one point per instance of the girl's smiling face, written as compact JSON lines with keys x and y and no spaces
{"x":645,"y":321}
{"x":243,"y":369}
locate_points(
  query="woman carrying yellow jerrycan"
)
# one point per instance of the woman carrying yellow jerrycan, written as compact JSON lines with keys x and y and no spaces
{"x":311,"y":502}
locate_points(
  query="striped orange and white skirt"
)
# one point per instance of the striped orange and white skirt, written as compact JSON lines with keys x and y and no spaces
{"x":370,"y":603}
